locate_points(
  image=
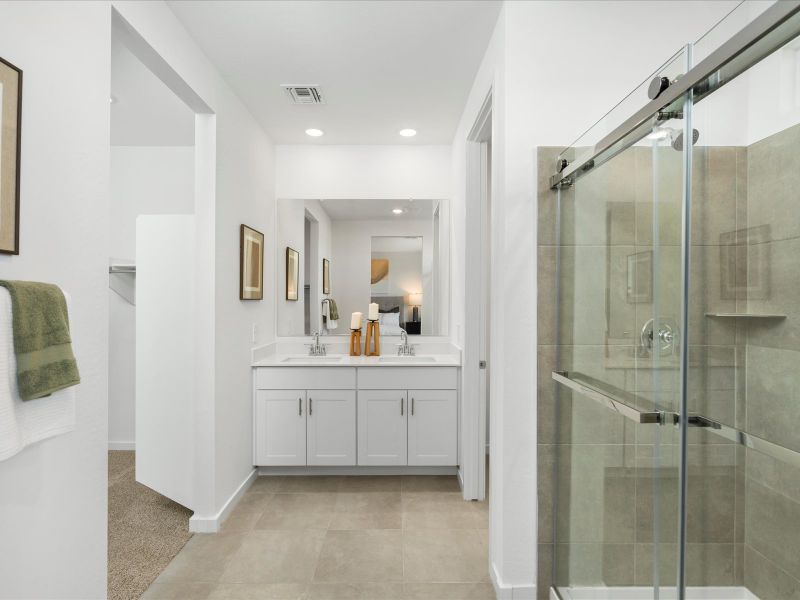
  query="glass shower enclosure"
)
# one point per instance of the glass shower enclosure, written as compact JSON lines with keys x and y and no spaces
{"x":675,"y":253}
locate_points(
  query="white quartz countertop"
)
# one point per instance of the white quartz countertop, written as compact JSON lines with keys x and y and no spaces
{"x":343,"y":360}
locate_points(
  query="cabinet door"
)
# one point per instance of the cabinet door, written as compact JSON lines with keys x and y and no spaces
{"x":382,"y":427}
{"x":433,"y":427}
{"x":331,"y":427}
{"x":281,"y":427}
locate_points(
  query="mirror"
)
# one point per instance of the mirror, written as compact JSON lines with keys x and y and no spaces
{"x":355,"y":252}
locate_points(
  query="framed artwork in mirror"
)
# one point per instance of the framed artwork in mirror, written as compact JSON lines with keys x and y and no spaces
{"x":292,"y":273}
{"x":251,"y":264}
{"x":326,"y":276}
{"x":10,"y":143}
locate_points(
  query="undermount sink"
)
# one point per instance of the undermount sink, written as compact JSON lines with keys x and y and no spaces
{"x":407,"y":359}
{"x":315,"y":359}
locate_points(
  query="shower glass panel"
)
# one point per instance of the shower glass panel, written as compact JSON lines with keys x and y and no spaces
{"x":619,"y":302}
{"x":676,"y":256}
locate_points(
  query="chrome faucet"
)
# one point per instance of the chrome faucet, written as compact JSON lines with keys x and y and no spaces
{"x":316,"y":349}
{"x":404,"y":348}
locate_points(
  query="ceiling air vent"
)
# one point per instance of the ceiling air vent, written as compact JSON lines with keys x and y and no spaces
{"x":304,"y":94}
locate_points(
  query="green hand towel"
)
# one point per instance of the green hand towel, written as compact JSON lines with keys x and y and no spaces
{"x":333,"y":310}
{"x":42,"y":344}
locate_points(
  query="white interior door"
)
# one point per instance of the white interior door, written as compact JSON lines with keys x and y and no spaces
{"x":165,"y":355}
{"x":432,"y":427}
{"x":281,"y":427}
{"x":331,"y":427}
{"x":382,"y":427}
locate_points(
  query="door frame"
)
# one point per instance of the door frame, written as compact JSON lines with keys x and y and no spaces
{"x":476,"y":309}
{"x":199,"y":426}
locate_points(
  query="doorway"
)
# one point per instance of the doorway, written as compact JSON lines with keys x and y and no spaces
{"x":161,"y":283}
{"x":477,"y":340}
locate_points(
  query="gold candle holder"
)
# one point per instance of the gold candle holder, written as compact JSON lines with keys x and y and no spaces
{"x":373,"y":339}
{"x":355,"y":342}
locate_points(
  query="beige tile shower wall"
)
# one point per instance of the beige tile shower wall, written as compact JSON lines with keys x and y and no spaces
{"x":716,"y":353}
{"x":772,"y":410}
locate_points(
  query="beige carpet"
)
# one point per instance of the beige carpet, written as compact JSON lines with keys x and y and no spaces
{"x":145,"y":530}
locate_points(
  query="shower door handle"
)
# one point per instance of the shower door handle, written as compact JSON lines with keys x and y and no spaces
{"x":617,"y":400}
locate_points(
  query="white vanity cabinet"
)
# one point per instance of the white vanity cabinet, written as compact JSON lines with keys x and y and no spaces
{"x":374,"y":416}
{"x":331,"y":427}
{"x":382,"y":427}
{"x":280,"y":418}
{"x":401,"y":426}
{"x":315,"y":425}
{"x":432,"y":427}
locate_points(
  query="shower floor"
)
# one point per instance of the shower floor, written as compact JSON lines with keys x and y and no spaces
{"x":646,"y":593}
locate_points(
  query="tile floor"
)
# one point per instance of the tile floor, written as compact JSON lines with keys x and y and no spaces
{"x":339,"y":538}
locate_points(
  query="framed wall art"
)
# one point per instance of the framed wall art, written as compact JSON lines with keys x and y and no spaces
{"x":251,"y":264}
{"x":326,"y":276}
{"x":292,"y":273}
{"x":10,"y":144}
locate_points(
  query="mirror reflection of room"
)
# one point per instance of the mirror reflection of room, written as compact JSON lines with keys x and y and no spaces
{"x":358,"y":252}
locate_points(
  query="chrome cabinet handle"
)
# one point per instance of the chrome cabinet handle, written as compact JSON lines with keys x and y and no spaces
{"x":300,"y":406}
{"x":401,"y":406}
{"x":310,"y":407}
{"x":412,"y":406}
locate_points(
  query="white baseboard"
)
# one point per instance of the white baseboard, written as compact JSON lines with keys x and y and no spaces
{"x":299,"y":471}
{"x":122,"y":446}
{"x":211,"y":524}
{"x":509,"y":592}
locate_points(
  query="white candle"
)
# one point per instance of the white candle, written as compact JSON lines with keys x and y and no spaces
{"x":373,"y":311}
{"x":355,"y":320}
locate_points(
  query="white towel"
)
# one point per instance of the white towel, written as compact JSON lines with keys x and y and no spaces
{"x":332,"y":324}
{"x":25,"y":423}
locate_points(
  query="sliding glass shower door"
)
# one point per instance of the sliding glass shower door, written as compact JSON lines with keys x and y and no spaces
{"x":675,"y":267}
{"x":619,"y":296}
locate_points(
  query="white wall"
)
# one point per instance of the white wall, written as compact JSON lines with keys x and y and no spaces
{"x":144,"y":181}
{"x":535,"y":105}
{"x":290,"y":233}
{"x":53,"y":494}
{"x":355,"y":172}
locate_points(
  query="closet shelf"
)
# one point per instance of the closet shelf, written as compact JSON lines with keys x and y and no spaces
{"x":122,"y":269}
{"x":744,"y":316}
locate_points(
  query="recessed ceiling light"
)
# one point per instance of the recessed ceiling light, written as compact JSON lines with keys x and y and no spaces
{"x":397,"y":211}
{"x":314,"y":132}
{"x":408,"y":132}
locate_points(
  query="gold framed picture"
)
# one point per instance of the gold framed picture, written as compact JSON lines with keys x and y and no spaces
{"x":10,"y":144}
{"x":251,"y":264}
{"x":326,"y":276}
{"x":292,"y":273}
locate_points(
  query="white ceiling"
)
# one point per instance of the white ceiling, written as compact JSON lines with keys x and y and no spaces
{"x":378,"y":210}
{"x":382,"y":65}
{"x":145,"y":112}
